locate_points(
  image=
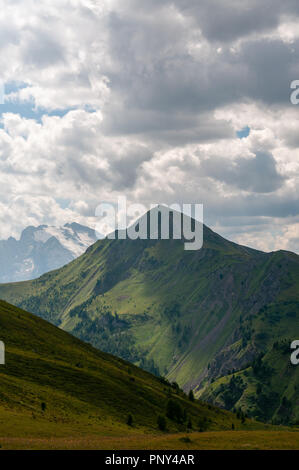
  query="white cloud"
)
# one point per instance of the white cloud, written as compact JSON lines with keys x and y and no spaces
{"x":151,"y":96}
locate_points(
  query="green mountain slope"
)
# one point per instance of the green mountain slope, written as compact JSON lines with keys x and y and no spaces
{"x":193,"y":316}
{"x":266,"y":388}
{"x":54,"y":384}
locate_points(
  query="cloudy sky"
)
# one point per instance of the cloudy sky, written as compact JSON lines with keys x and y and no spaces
{"x":161,"y":101}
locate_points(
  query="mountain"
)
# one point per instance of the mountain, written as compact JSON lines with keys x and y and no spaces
{"x":54,"y":385}
{"x":193,"y":316}
{"x":41,"y":249}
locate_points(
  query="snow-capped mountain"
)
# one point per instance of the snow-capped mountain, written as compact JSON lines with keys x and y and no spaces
{"x":42,"y":249}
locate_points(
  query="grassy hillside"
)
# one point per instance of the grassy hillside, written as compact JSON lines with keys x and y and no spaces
{"x":268,"y":387}
{"x":212,"y":440}
{"x":193,"y":316}
{"x":52,"y":377}
{"x":60,"y":393}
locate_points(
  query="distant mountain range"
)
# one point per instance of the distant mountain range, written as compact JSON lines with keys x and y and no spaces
{"x":219,"y":320}
{"x":42,"y":249}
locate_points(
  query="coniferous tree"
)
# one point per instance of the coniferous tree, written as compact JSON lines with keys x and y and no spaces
{"x":161,"y":423}
{"x":130,"y":420}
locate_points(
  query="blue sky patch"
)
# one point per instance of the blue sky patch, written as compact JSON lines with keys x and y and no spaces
{"x":243,"y":133}
{"x":26,"y":109}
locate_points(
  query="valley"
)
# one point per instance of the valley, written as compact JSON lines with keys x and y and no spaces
{"x":206,"y":319}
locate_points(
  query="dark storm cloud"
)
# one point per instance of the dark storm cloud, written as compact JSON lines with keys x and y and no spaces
{"x":228,"y":20}
{"x":272,"y":66}
{"x":255,"y":205}
{"x":159,"y":85}
{"x":258,"y":174}
{"x":157,"y":127}
{"x":124,"y":170}
{"x":42,"y":49}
